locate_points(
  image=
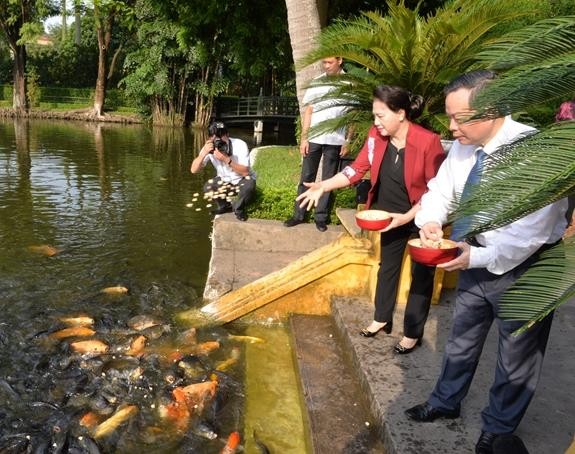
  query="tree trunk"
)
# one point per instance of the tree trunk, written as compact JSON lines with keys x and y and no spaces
{"x":304,"y":26}
{"x":77,"y":23}
{"x":19,"y":99}
{"x":64,"y":20}
{"x":104,"y":33}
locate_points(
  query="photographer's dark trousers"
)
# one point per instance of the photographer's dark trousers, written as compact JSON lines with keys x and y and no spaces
{"x":227,"y":195}
{"x":519,"y":358}
{"x":393,"y":244}
{"x":310,"y":166}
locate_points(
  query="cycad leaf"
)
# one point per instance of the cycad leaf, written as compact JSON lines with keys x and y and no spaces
{"x":543,"y":287}
{"x":416,"y":53}
{"x":521,"y":88}
{"x":522,"y":177}
{"x":548,"y":38}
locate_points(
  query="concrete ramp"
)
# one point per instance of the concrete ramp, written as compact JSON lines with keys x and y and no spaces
{"x":299,"y":274}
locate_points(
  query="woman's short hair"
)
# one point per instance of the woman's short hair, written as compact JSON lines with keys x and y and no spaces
{"x":397,"y":98}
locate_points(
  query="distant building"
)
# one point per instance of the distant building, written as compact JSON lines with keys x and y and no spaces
{"x":45,"y":40}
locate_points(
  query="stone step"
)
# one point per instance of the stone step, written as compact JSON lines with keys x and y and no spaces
{"x":264,"y":235}
{"x":338,"y":415}
{"x":392,"y":383}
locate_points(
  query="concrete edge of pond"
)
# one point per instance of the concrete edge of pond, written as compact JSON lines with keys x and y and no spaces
{"x":393,"y":383}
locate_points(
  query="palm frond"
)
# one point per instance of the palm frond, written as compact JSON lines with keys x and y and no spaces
{"x":419,"y":54}
{"x":522,"y":177}
{"x":520,"y":88}
{"x":549,"y":38}
{"x":543,"y":287}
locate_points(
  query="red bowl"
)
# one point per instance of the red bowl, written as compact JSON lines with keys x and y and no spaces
{"x":432,"y":256}
{"x":372,"y":219}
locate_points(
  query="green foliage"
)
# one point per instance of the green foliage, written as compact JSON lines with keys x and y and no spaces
{"x":543,"y":287}
{"x":278,"y":171}
{"x":537,"y":65}
{"x":33,"y":87}
{"x":403,"y":48}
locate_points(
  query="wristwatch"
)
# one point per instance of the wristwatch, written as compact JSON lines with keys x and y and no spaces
{"x":230,"y":162}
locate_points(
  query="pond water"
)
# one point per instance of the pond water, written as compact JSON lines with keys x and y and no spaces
{"x":94,"y":223}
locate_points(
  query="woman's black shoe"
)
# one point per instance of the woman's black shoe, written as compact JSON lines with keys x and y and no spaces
{"x":401,"y":350}
{"x":385,"y":328}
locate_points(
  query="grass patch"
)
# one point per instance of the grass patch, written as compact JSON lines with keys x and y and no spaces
{"x":278,"y":171}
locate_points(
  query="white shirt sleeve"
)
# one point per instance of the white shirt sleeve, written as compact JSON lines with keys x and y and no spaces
{"x":437,"y":201}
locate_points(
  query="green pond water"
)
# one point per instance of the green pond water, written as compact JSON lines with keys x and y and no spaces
{"x":84,"y":207}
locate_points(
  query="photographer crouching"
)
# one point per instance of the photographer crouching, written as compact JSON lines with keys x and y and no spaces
{"x":234,"y":180}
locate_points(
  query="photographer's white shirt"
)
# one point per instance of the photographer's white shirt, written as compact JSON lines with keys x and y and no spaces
{"x":240,"y":154}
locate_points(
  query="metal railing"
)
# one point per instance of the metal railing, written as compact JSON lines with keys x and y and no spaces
{"x":258,"y":107}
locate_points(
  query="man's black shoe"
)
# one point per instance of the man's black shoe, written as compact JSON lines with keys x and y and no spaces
{"x":321,"y":226}
{"x":485,"y":443}
{"x":427,"y":413}
{"x":293,"y":221}
{"x":241,"y":216}
{"x":222,"y":209}
{"x":509,"y":444}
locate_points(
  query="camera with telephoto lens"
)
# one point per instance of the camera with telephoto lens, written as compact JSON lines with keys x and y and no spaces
{"x":219,"y":130}
{"x":222,"y":146}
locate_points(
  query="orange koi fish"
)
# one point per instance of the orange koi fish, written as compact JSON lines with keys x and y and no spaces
{"x":137,"y":346}
{"x":90,"y":420}
{"x":44,"y":249}
{"x":75,"y":331}
{"x":110,"y":424}
{"x":232,"y":444}
{"x":90,"y":346}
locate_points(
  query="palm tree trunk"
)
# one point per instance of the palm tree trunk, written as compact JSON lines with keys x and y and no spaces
{"x":77,"y":23}
{"x":304,"y":26}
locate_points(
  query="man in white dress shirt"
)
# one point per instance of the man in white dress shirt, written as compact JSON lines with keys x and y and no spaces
{"x":488,"y":267}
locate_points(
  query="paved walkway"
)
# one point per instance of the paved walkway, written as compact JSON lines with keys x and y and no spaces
{"x":395,"y":383}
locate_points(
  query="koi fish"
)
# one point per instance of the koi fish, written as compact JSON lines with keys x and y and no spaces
{"x":75,"y":331}
{"x":250,"y":339}
{"x":197,"y":394}
{"x":90,"y":346}
{"x":232,"y":444}
{"x":177,"y":411}
{"x":44,"y":249}
{"x":206,"y":347}
{"x":141,"y":322}
{"x":89,"y":420}
{"x":188,"y":336}
{"x":81,"y":320}
{"x":117,"y":290}
{"x":137,"y":346}
{"x":233,"y":359}
{"x":110,"y":424}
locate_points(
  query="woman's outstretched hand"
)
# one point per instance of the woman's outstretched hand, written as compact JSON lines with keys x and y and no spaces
{"x":397,"y":220}
{"x":310,"y":198}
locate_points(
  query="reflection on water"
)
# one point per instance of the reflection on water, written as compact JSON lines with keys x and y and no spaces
{"x":84,"y":207}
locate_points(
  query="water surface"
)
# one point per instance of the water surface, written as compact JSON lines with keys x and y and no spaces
{"x":85,"y":207}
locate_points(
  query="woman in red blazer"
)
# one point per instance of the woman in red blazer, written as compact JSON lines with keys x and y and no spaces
{"x":401,"y":157}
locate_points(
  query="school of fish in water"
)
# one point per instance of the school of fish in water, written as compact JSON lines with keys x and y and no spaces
{"x":140,"y":385}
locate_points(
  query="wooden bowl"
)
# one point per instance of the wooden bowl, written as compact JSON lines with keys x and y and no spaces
{"x":432,"y":256}
{"x":372,"y":219}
